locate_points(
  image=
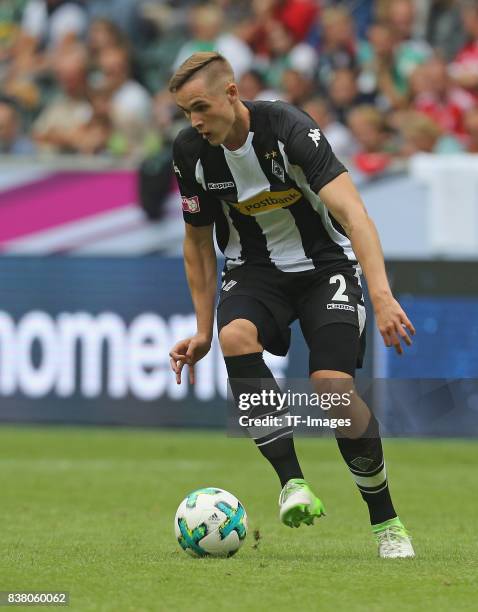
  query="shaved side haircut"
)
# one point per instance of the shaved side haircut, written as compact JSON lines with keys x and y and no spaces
{"x":212,"y":65}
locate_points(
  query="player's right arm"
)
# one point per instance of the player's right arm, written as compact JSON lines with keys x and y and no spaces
{"x":201,"y":273}
{"x":199,"y":256}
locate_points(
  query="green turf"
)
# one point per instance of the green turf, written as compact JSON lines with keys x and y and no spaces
{"x":91,"y":511}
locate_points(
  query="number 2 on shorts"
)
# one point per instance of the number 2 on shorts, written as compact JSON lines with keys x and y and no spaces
{"x":339,"y":295}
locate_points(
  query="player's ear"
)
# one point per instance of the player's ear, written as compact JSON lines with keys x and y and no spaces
{"x":232,"y":92}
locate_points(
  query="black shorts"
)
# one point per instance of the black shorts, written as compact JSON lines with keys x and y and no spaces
{"x":272,"y":300}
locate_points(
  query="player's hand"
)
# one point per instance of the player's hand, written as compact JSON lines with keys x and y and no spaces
{"x":393,"y":323}
{"x":188,"y":351}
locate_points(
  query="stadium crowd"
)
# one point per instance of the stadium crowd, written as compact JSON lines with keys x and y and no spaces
{"x":384,"y":79}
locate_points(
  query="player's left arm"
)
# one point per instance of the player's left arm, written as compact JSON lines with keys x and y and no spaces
{"x":343,"y":201}
{"x":307,"y":147}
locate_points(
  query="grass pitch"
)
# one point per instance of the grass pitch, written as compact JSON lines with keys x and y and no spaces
{"x":90,"y":511}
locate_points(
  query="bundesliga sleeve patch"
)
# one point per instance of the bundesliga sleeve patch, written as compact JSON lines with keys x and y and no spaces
{"x":190,"y":205}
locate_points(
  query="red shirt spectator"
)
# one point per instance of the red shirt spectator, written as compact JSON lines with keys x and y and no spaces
{"x":443,"y":102}
{"x":447,"y":113}
{"x":297,"y":16}
{"x":466,"y":62}
{"x":464,"y":69}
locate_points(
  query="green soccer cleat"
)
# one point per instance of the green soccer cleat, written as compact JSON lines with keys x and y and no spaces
{"x":298,"y":504}
{"x":393,"y":540}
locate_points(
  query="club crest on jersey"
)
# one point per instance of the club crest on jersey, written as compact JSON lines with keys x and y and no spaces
{"x":190,"y":205}
{"x":314,"y":135}
{"x":278,"y":170}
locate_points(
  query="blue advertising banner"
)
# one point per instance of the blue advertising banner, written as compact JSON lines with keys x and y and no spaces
{"x":86,"y":340}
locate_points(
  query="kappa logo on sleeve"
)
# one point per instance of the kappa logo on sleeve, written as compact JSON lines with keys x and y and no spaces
{"x":190,"y":205}
{"x":176,"y":169}
{"x":229,"y":285}
{"x":315,"y":136}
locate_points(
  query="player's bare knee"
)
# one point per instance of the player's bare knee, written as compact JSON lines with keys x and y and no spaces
{"x":344,"y":400}
{"x":331,"y":381}
{"x":239,"y":337}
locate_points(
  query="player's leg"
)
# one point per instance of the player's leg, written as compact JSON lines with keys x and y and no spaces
{"x":333,"y":355}
{"x":242,"y":345}
{"x":336,"y":340}
{"x":365,"y":460}
{"x":248,"y":373}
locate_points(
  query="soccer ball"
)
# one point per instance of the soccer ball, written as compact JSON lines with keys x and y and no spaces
{"x":210,"y":522}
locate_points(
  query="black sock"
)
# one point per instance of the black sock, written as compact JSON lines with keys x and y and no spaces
{"x":364,"y":457}
{"x":249,"y":374}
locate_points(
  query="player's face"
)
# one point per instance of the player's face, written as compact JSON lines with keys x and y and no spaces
{"x":210,"y":111}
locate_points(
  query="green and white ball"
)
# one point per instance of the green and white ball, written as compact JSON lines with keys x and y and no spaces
{"x":210,"y":522}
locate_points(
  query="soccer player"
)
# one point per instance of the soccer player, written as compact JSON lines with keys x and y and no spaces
{"x":295,"y":236}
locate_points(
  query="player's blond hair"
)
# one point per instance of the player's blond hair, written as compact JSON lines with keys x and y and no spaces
{"x":214,"y":65}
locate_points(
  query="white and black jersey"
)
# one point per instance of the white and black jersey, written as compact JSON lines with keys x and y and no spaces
{"x":262,"y":197}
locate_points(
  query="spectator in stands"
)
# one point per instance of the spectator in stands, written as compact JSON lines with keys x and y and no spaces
{"x":18,"y":81}
{"x":207,"y":26}
{"x":12,"y":140}
{"x":286,"y":55}
{"x":344,"y":94}
{"x":378,"y":76}
{"x":297,"y":86}
{"x":51,"y":23}
{"x":464,"y":69}
{"x":54,"y":128}
{"x":124,"y":14}
{"x":10,"y":19}
{"x":296,"y":57}
{"x":410,"y":51}
{"x":401,"y":16}
{"x":46,"y":27}
{"x":280,"y":43}
{"x":94,"y":136}
{"x":130,"y":105}
{"x":295,"y":16}
{"x":362,"y":13}
{"x":419,"y":82}
{"x":103,"y":34}
{"x":392,"y":53}
{"x":237,"y":10}
{"x":441,"y":100}
{"x":444,"y":28}
{"x":369,"y":127}
{"x":338,"y":135}
{"x":423,"y":135}
{"x":252,"y":86}
{"x":471,"y":126}
{"x":338,"y":47}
